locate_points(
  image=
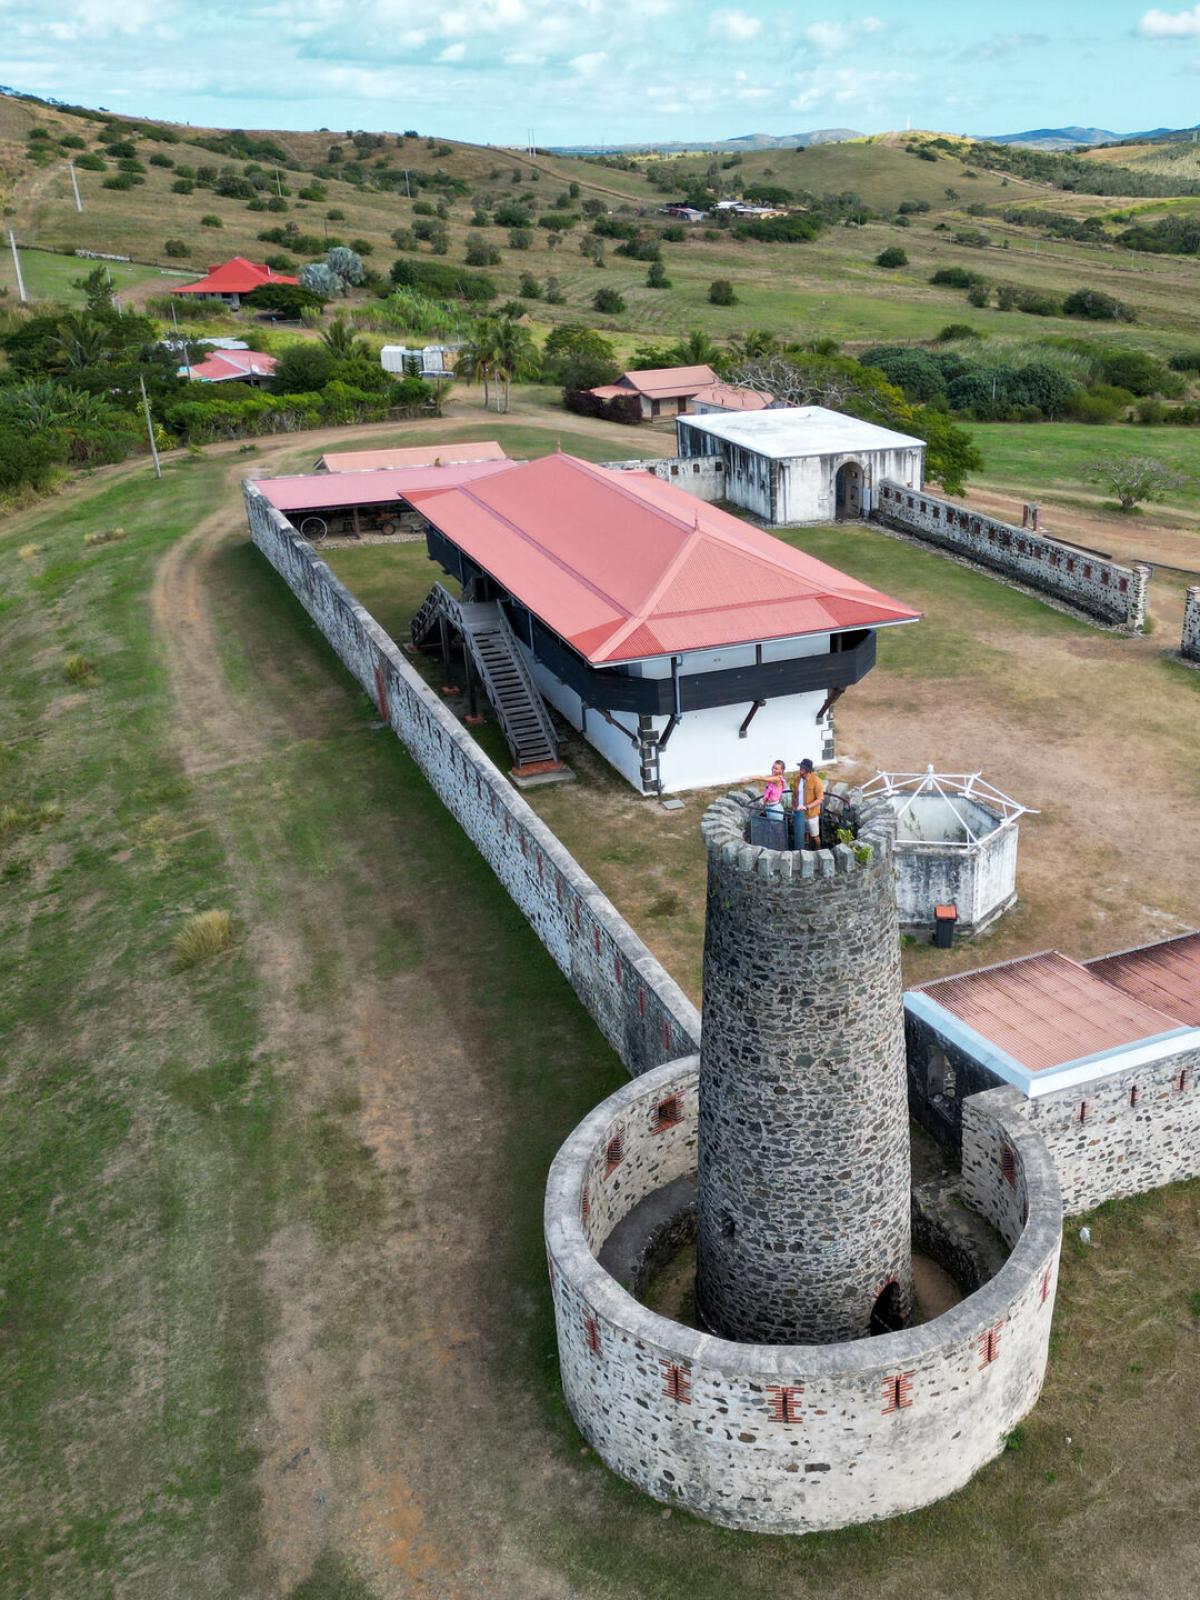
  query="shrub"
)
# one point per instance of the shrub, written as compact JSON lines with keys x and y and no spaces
{"x":1185,"y":361}
{"x":956,"y":278}
{"x":621,"y":408}
{"x":91,"y":163}
{"x":204,"y":935}
{"x":101,"y":536}
{"x":211,"y":220}
{"x":280,"y":263}
{"x":157,"y":160}
{"x":235,"y":188}
{"x":656,"y":277}
{"x":182,"y":186}
{"x":530,"y":288}
{"x":978,"y":295}
{"x":285,"y":299}
{"x":720,"y":293}
{"x":439,"y":279}
{"x":176,"y":249}
{"x":1097,"y":307}
{"x":893,"y":256}
{"x":362,"y":247}
{"x":1100,"y":404}
{"x":958,"y":330}
{"x":558,"y":221}
{"x":121,"y":180}
{"x":480,"y":253}
{"x":796,"y":228}
{"x":608,"y":301}
{"x":1136,"y":371}
{"x":1036,"y":303}
{"x":79,"y":669}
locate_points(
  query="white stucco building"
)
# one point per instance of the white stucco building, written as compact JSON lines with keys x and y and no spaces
{"x":791,"y":464}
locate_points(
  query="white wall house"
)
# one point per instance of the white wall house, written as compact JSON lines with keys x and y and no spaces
{"x":792,"y":464}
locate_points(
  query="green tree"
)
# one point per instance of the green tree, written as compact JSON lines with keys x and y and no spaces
{"x":479,"y":355}
{"x":720,"y":292}
{"x":515,"y":353}
{"x":340,"y":340}
{"x":892,"y":257}
{"x":1135,"y":478}
{"x":302,"y":369}
{"x":608,"y":301}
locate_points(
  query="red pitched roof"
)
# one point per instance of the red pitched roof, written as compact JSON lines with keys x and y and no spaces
{"x":330,"y":491}
{"x":1046,"y":1010}
{"x":221,"y":365}
{"x":1165,"y":975}
{"x":658,"y":383}
{"x":732,"y":397}
{"x":622,"y":565}
{"x":235,"y":276}
{"x":416,"y":455}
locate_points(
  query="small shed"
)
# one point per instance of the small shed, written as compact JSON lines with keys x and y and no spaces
{"x":790,"y":464}
{"x":956,"y":844}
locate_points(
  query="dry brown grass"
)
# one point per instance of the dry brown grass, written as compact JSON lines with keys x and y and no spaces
{"x":100,"y":536}
{"x":203,"y":935}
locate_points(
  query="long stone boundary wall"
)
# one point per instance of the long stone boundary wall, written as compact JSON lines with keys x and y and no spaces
{"x":1101,"y":588}
{"x":1189,"y":644}
{"x":703,"y":476}
{"x":794,"y":1438}
{"x":637,"y":1005}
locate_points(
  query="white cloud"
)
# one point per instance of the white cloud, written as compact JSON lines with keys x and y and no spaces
{"x":831,"y":38}
{"x":840,"y":86}
{"x":453,"y":52}
{"x":734,"y":26}
{"x":1170,"y":24}
{"x":588,"y":64}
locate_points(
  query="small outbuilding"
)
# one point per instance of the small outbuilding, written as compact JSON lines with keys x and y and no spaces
{"x":662,"y":391}
{"x":956,"y":845}
{"x":230,"y":281}
{"x":790,"y":464}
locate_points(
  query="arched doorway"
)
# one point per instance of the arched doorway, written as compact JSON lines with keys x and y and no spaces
{"x":888,"y":1312}
{"x":848,"y":490}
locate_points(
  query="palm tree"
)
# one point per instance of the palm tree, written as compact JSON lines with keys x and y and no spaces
{"x":697,"y":350}
{"x":477,"y":358}
{"x":81,"y":342}
{"x":516,"y":355}
{"x":340,"y":340}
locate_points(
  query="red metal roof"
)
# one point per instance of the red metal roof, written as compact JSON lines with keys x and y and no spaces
{"x":622,"y":565}
{"x":659,"y":383}
{"x":415,"y":455}
{"x":732,"y":397}
{"x":1165,"y":975}
{"x":330,"y":491}
{"x":235,"y":276}
{"x":1047,"y":1009}
{"x":222,"y":365}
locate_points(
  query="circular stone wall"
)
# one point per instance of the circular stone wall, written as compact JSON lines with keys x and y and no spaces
{"x":792,"y":1438}
{"x":804,"y":1210}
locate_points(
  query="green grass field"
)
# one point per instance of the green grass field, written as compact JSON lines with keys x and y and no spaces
{"x":1057,"y":456}
{"x":53,"y":277}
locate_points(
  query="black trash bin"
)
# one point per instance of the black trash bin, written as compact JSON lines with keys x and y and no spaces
{"x":944,"y":919}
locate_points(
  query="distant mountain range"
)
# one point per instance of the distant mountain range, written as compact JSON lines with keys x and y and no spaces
{"x":1084,"y":138}
{"x":743,"y":141}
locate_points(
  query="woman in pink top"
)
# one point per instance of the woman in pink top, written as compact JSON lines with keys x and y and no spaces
{"x":774,"y":791}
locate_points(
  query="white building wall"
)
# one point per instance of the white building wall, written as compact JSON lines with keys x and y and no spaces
{"x":806,"y":486}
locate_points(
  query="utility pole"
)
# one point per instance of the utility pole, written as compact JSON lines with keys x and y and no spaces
{"x":278,"y":185}
{"x":150,"y":427}
{"x":21,"y":295}
{"x":407,"y":185}
{"x":182,"y":344}
{"x":75,"y":185}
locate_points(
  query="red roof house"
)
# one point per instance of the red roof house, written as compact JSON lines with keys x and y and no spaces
{"x":623,"y":566}
{"x":663,"y":391}
{"x":232,"y":279}
{"x":222,"y":366}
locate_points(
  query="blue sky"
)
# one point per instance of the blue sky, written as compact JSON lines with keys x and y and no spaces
{"x":613,"y":71}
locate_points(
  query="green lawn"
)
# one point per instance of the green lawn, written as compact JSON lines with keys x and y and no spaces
{"x":1027,"y":457}
{"x":52,"y":277}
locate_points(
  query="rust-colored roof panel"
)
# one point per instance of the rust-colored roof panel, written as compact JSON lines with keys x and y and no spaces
{"x":665,"y":383}
{"x":622,"y":565}
{"x":1047,"y":1009}
{"x":235,"y":276}
{"x":1166,"y":975}
{"x":332,"y":491}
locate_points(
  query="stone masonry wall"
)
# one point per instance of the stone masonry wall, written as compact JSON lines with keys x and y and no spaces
{"x":638,"y":1007}
{"x":1123,"y":1135}
{"x":1112,"y":593}
{"x":804,"y":1211}
{"x":702,"y":476}
{"x":793,"y":1438}
{"x":1189,"y":644}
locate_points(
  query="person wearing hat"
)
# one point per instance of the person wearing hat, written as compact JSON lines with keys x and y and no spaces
{"x":810,"y":792}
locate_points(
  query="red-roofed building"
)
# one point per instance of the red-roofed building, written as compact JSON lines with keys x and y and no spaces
{"x":231,"y":280}
{"x":689,"y":647}
{"x":663,"y":391}
{"x":728,"y":397}
{"x":223,"y":366}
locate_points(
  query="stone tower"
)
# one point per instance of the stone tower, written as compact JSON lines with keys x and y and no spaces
{"x":803,"y":1141}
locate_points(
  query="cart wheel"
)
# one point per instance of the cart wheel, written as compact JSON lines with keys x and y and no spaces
{"x":314,"y":528}
{"x":387,"y":527}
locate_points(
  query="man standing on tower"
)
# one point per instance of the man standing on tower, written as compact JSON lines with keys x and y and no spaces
{"x":810,"y":792}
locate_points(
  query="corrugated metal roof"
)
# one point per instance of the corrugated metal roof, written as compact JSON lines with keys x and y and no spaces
{"x":223,"y":365}
{"x":624,"y":566}
{"x":664,"y":382}
{"x":732,"y":397}
{"x":413,"y":455}
{"x":1046,"y":1009}
{"x":330,"y":491}
{"x":1165,"y":975}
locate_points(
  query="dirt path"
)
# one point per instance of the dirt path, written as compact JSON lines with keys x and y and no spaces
{"x":367,"y":1432}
